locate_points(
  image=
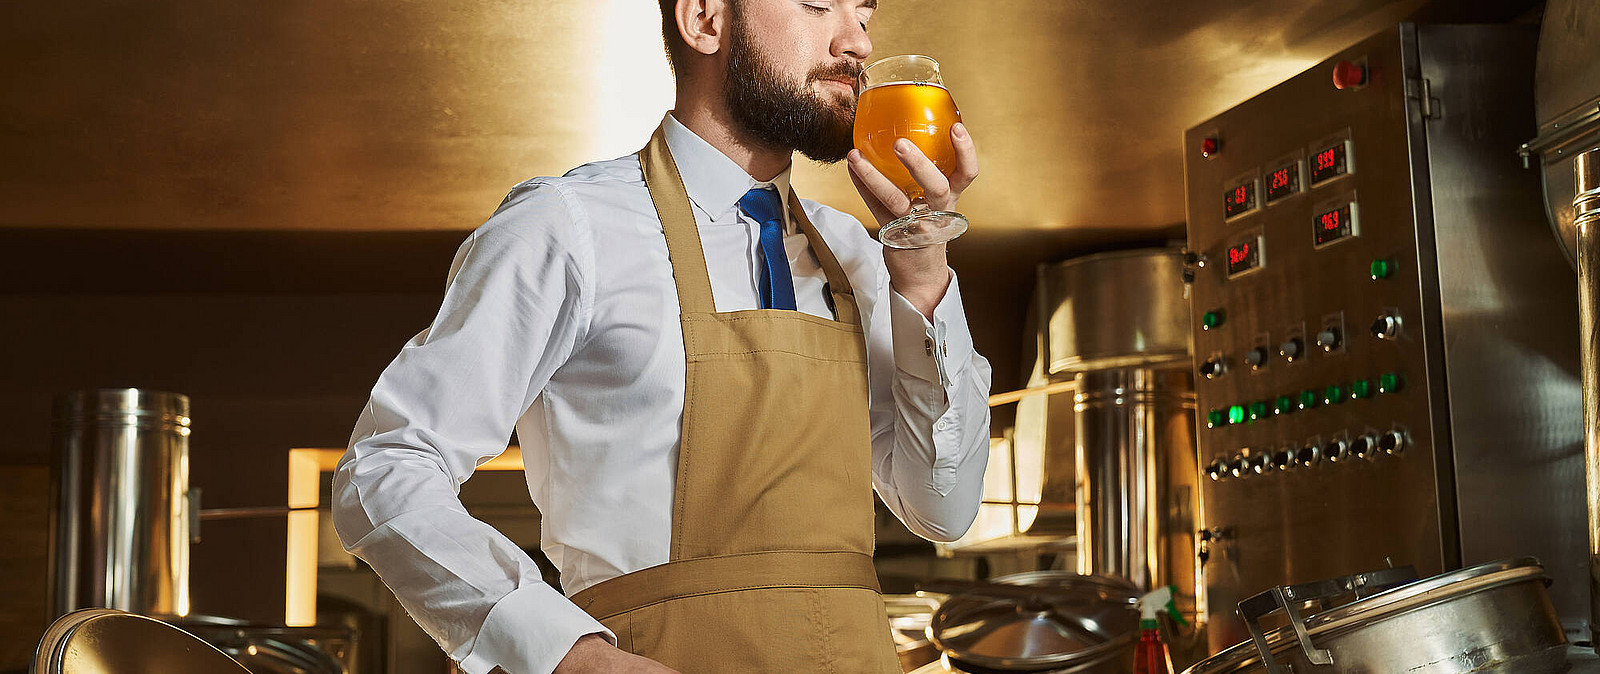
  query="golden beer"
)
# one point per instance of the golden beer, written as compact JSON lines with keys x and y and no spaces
{"x":921,"y":113}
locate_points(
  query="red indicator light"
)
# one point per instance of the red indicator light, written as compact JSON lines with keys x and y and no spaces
{"x":1347,"y":75}
{"x":1209,"y":146}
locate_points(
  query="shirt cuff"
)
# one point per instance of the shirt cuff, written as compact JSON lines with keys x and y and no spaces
{"x":932,"y":351}
{"x":530,"y":630}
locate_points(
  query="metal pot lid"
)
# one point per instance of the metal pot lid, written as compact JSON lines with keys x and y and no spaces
{"x":1073,"y":618}
{"x":1365,"y":612}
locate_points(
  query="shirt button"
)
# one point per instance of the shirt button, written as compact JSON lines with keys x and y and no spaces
{"x":927,"y":346}
{"x":942,"y":425}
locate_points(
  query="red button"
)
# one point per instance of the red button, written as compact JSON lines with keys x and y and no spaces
{"x":1347,"y":75}
{"x":1208,"y":146}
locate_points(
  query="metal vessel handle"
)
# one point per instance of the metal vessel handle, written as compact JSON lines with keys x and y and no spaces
{"x":1287,"y":598}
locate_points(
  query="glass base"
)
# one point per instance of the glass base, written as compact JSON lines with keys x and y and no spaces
{"x":921,"y":229}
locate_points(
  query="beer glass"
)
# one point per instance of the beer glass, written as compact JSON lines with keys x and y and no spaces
{"x":903,"y":97}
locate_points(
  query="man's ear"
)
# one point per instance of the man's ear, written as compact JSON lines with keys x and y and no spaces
{"x":703,"y":24}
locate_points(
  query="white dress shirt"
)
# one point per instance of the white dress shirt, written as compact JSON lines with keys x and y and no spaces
{"x":560,"y":318}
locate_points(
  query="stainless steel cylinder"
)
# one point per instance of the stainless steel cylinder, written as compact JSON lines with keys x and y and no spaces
{"x":1586,"y":206}
{"x":1137,"y":476}
{"x":1119,"y":309}
{"x":120,"y":514}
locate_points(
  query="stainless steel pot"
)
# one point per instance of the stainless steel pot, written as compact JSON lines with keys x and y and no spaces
{"x":1055,"y":621}
{"x":1488,"y":619}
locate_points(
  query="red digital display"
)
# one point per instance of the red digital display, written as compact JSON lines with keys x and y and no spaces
{"x":1239,"y":199}
{"x":1283,"y":182}
{"x":1333,"y":225}
{"x":1330,"y":162}
{"x":1244,"y":257}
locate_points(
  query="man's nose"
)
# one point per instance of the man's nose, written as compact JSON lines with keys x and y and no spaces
{"x":852,"y":41}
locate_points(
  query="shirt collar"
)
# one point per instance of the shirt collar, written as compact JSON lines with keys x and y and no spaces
{"x":714,"y":182}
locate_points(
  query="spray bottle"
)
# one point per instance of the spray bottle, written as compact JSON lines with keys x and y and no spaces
{"x":1152,"y":656}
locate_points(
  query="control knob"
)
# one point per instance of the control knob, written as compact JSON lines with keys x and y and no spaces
{"x":1260,"y":463}
{"x":1217,"y":470}
{"x":1336,"y":450}
{"x":1387,"y":326}
{"x":1309,"y":455}
{"x":1213,"y":368}
{"x":1284,"y":459}
{"x":1292,"y":349}
{"x":1329,"y":339}
{"x":1256,"y":358}
{"x":1364,"y":446}
{"x":1392,"y":443}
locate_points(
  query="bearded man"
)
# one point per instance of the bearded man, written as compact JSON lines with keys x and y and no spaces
{"x":708,"y":377}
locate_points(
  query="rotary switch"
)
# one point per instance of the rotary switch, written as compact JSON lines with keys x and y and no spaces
{"x":1292,"y":349}
{"x":1309,"y":455}
{"x":1336,"y":450}
{"x":1329,"y":339}
{"x":1217,"y":470}
{"x":1213,"y":368}
{"x":1387,"y":326}
{"x":1256,"y":358}
{"x":1364,"y":446}
{"x":1392,"y":443}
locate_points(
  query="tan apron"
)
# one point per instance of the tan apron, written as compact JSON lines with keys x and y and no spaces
{"x":772,"y":524}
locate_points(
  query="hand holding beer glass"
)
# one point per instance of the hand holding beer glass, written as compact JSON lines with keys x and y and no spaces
{"x":903,"y":97}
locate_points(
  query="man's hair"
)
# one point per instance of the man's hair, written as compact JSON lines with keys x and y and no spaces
{"x":669,"y":34}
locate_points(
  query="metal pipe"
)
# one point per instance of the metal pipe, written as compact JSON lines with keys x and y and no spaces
{"x":120,"y":512}
{"x":1586,"y":206}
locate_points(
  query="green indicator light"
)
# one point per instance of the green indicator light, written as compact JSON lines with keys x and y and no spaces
{"x":1361,"y":388}
{"x":1236,"y":414}
{"x":1214,"y":419}
{"x":1332,"y":395}
{"x":1308,"y":399}
{"x":1258,"y":410}
{"x":1283,"y":405}
{"x":1388,"y":382}
{"x":1380,"y":269}
{"x":1211,"y":319}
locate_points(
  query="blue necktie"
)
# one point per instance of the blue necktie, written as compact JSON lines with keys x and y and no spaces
{"x":777,"y":286}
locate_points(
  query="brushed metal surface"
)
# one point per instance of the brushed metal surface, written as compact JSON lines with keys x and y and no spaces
{"x":1137,"y":477}
{"x":1484,"y":350}
{"x":1510,"y":322}
{"x":1116,"y":309}
{"x":351,"y":115}
{"x":1587,"y":207}
{"x":120,"y":511}
{"x":107,"y":641}
{"x":1567,"y":81}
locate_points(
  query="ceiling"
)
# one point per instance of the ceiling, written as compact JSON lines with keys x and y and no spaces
{"x":419,"y":115}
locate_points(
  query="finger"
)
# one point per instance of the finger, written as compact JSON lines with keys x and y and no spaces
{"x":935,"y":187}
{"x":876,"y":189}
{"x":966,"y":159}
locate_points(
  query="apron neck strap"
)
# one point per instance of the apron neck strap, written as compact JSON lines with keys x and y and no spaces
{"x":688,"y":258}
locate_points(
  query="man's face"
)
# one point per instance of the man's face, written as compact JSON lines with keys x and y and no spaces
{"x":791,"y":74}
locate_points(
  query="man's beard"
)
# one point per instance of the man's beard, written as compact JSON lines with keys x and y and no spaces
{"x":778,"y":115}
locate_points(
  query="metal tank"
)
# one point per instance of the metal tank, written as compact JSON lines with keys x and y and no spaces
{"x":120,"y":508}
{"x":1118,"y":324}
{"x":1567,"y":100}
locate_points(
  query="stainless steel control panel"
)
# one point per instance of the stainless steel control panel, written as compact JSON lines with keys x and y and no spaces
{"x":1385,"y":332}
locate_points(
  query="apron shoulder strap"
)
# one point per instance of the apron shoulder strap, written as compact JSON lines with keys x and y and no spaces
{"x":677,"y":222}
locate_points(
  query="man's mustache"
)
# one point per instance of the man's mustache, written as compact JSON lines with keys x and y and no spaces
{"x":836,"y":71}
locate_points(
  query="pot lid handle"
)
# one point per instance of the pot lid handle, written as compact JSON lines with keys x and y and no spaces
{"x":1288,"y":598}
